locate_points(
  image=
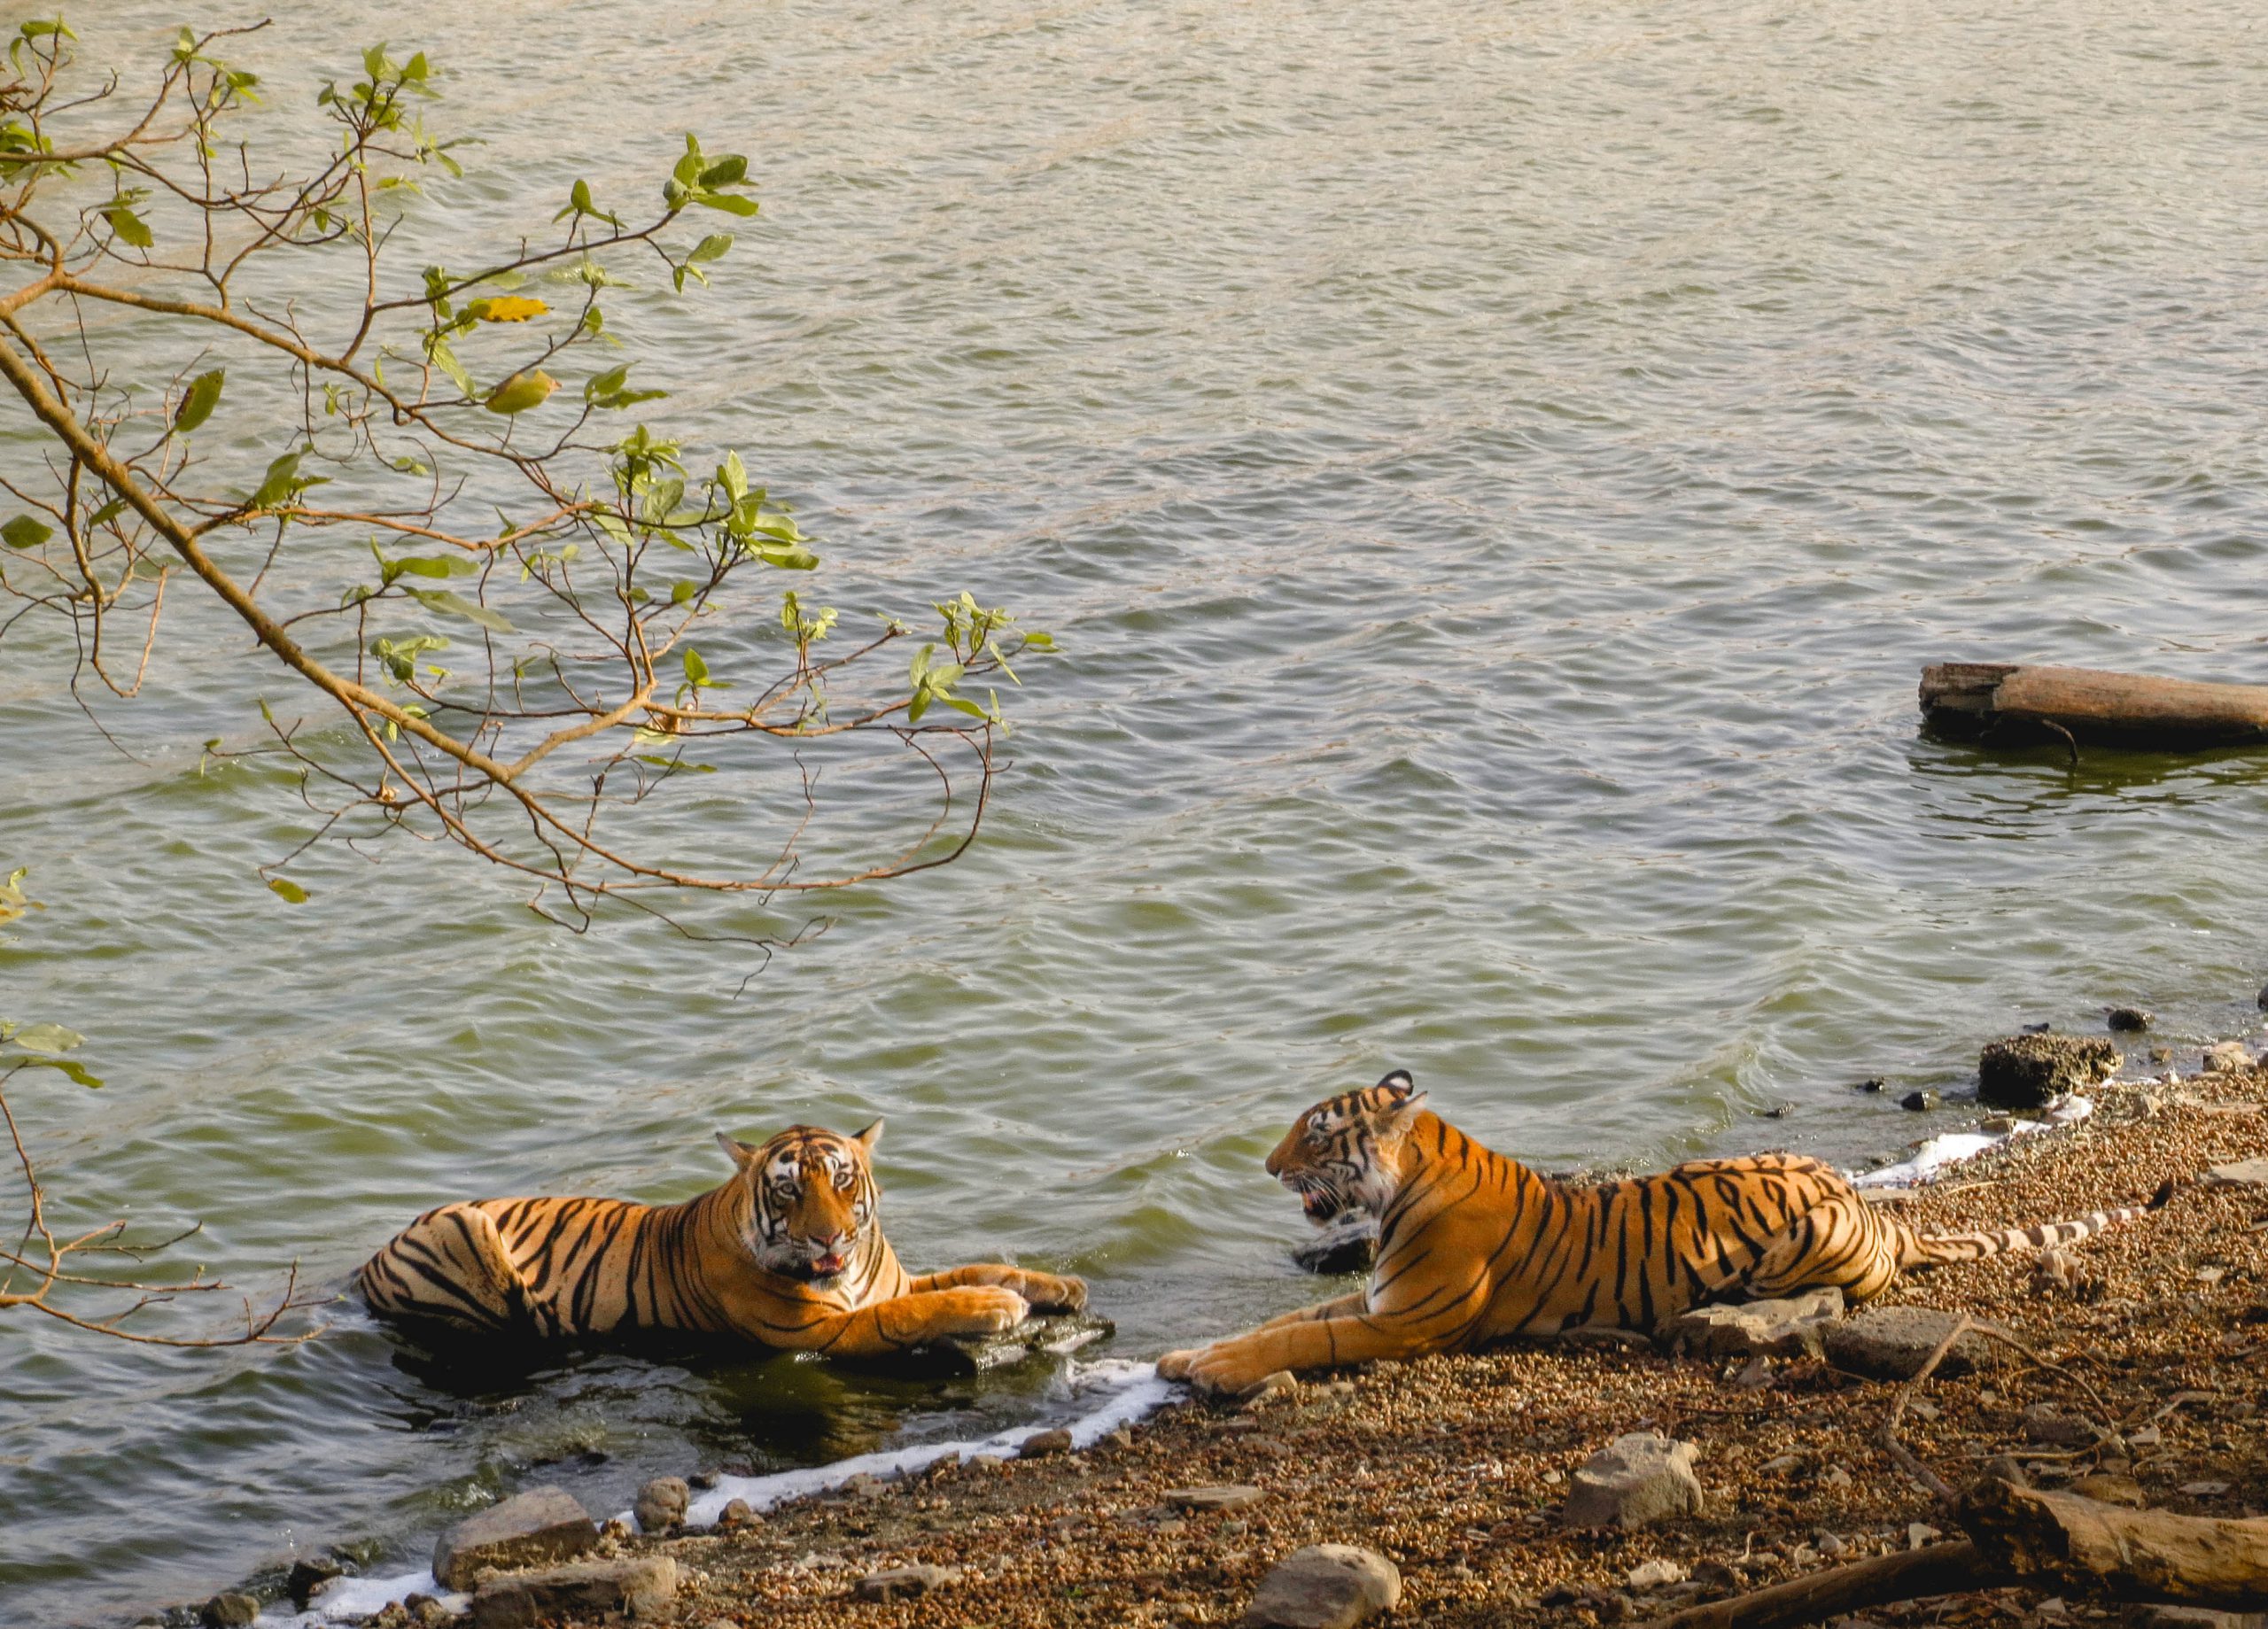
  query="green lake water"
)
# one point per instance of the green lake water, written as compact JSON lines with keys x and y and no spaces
{"x":1495,"y":472}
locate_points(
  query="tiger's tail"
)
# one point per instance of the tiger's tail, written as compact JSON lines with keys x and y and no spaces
{"x":1937,"y":1249}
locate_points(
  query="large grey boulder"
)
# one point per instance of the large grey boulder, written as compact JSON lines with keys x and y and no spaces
{"x":1891,"y":1343}
{"x":2026,"y":1072}
{"x":633,"y":1585}
{"x":527,"y":1529}
{"x":1795,"y":1327}
{"x":1636,"y":1480}
{"x":1326,"y":1587}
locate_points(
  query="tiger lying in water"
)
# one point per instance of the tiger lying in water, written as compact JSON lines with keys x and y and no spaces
{"x":1474,"y":1246}
{"x":788,"y":1253}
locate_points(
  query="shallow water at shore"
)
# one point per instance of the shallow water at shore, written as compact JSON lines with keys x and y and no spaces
{"x":1495,"y":476}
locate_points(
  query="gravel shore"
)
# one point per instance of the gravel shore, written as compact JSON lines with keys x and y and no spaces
{"x":1456,"y":1467}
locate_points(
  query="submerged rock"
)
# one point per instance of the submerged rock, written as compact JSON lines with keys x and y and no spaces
{"x":542,"y":1524}
{"x":229,"y":1611}
{"x":2027,"y":1071}
{"x":1636,"y":1480}
{"x":309,"y":1574}
{"x":1919,"y":1102}
{"x":1326,"y":1587}
{"x":2128,"y":1019}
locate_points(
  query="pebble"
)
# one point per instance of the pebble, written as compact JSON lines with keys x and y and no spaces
{"x":635,"y":1586}
{"x":2242,"y":1173}
{"x":661,"y":1503}
{"x":904,"y":1583}
{"x":1656,"y":1575}
{"x":1785,"y":1328}
{"x":2128,"y":1018}
{"x":229,"y":1611}
{"x":1225,"y":1496}
{"x":1891,"y":1343}
{"x":1326,"y":1587}
{"x":736,"y":1513}
{"x":1639,"y":1478}
{"x":527,"y":1529}
{"x":1041,"y":1445}
{"x":2204,"y":1490}
{"x":309,"y":1575}
{"x":1919,"y":1534}
{"x":1919,"y":1101}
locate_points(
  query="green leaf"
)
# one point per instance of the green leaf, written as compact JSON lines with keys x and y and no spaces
{"x":445,"y":359}
{"x":449,"y":603}
{"x":786,"y":556}
{"x":197,"y":407}
{"x":713,"y":247}
{"x":696,"y":671}
{"x":280,"y":485}
{"x":730,"y":168}
{"x":285,"y":888}
{"x":731,"y":203}
{"x":108,"y":513}
{"x":77,"y":1071}
{"x":24,"y":532}
{"x":129,"y":226}
{"x":732,"y":475}
{"x":1037,"y":640}
{"x":49,"y":1038}
{"x":522,"y":392}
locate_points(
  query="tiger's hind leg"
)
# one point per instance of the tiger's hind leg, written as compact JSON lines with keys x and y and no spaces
{"x":1840,"y":1241}
{"x":449,"y":1267}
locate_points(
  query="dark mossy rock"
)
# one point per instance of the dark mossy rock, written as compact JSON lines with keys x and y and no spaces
{"x":1051,"y":1336}
{"x":1349,"y":1243}
{"x":2028,"y":1070}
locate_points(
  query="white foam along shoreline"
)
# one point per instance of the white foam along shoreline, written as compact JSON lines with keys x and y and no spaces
{"x":1123,"y":1392}
{"x":1929,"y":1161}
{"x":1117,"y":1393}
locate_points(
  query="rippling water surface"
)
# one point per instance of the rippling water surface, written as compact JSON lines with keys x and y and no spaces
{"x":1495,"y":472}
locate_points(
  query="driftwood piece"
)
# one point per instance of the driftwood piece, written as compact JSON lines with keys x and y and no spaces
{"x":2082,"y":1544}
{"x":1903,"y":1575}
{"x":2076,"y":703}
{"x":2021,"y":1536}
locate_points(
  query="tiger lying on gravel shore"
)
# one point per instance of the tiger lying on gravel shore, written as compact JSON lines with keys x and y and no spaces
{"x":788,"y":1253}
{"x":1474,"y":1246}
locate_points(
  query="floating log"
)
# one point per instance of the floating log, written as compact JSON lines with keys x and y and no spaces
{"x":2013,"y":703}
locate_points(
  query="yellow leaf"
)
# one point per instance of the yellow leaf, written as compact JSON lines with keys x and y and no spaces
{"x":507,"y":308}
{"x":522,"y":392}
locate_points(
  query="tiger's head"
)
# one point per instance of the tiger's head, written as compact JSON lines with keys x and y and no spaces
{"x":1338,"y":1156}
{"x":812,"y":1202}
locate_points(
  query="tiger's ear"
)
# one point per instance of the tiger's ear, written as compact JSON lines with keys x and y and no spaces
{"x":741,"y":1153}
{"x":1398,"y":1081}
{"x":871,"y":1136}
{"x":1402,"y":1112}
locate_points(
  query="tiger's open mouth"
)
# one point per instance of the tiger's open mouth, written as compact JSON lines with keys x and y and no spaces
{"x":1320,"y":1207}
{"x":827,"y":1266}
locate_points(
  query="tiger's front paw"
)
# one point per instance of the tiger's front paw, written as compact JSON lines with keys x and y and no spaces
{"x":1047,"y":1292}
{"x":986,"y":1311}
{"x":1175,"y":1365}
{"x":1218,"y":1370}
